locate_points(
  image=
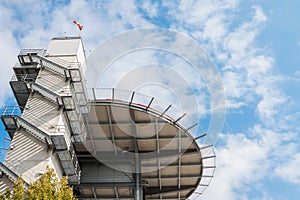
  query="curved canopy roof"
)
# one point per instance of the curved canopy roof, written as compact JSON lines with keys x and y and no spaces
{"x":130,"y":145}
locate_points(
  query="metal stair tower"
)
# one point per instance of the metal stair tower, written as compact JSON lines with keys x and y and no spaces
{"x":49,"y":89}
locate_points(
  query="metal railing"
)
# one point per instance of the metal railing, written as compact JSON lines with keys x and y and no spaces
{"x":11,"y":175}
{"x":24,"y":77}
{"x":15,"y":112}
{"x":36,"y":132}
{"x":32,"y":51}
{"x":147,"y":103}
{"x":11,"y":111}
{"x":62,"y":89}
{"x":52,"y":66}
{"x":45,"y":92}
{"x":70,"y":164}
{"x":52,"y":62}
{"x":44,"y":124}
{"x":60,"y":61}
{"x":51,"y":130}
{"x":42,"y":53}
{"x":38,"y":127}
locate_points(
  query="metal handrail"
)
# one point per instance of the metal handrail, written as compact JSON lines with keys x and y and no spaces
{"x":38,"y":133}
{"x":18,"y":65}
{"x":62,"y":61}
{"x":16,"y":111}
{"x":11,"y":111}
{"x":128,"y":98}
{"x":113,"y":95}
{"x":50,"y":128}
{"x":30,"y":51}
{"x":24,"y":77}
{"x":13,"y":176}
{"x":53,"y":96}
{"x":42,"y":54}
{"x":54,"y":87}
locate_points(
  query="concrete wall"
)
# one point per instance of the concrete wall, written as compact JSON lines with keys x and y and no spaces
{"x":42,"y":113}
{"x":68,"y":49}
{"x":4,"y":183}
{"x":27,"y":156}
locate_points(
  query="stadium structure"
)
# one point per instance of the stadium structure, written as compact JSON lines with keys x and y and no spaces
{"x":110,"y":147}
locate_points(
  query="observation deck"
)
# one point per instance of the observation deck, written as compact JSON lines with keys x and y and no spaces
{"x":134,"y":151}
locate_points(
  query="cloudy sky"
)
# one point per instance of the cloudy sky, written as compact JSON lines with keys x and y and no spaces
{"x":255,"y":45}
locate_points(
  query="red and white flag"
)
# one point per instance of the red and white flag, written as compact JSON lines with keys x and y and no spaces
{"x":78,"y":25}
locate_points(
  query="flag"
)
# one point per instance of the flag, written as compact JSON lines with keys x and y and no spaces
{"x":78,"y":25}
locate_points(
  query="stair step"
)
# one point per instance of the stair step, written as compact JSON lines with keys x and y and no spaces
{"x":53,"y":66}
{"x":45,"y":92}
{"x":37,"y":133}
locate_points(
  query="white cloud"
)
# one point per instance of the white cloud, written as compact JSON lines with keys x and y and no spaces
{"x":8,"y":51}
{"x":150,"y":8}
{"x":259,"y":14}
{"x":245,"y":65}
{"x":272,"y":98}
{"x":290,"y":171}
{"x":272,"y":139}
{"x":243,"y":162}
{"x":240,"y":163}
{"x":46,"y":20}
{"x":214,"y":29}
{"x":100,"y":20}
{"x":196,"y":13}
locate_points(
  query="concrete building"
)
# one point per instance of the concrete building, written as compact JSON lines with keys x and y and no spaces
{"x":110,"y":148}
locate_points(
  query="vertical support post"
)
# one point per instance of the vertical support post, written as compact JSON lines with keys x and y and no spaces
{"x":94,"y":94}
{"x":138,"y":190}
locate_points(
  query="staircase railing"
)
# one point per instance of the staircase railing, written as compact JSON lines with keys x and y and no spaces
{"x":47,"y":63}
{"x":42,"y":130}
{"x":11,"y":175}
{"x":11,"y":111}
{"x":24,"y":77}
{"x":46,"y":92}
{"x":33,"y":130}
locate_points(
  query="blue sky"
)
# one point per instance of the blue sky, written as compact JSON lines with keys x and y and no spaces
{"x":255,"y":45}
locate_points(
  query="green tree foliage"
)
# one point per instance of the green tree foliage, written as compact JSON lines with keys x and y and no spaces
{"x":18,"y":192}
{"x":47,"y":187}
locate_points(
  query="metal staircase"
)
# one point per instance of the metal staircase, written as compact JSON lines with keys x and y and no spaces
{"x":38,"y":133}
{"x":8,"y":172}
{"x":33,"y":130}
{"x":48,"y":94}
{"x":49,"y":64}
{"x":74,"y":105}
{"x":59,"y":141}
{"x":69,"y":162}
